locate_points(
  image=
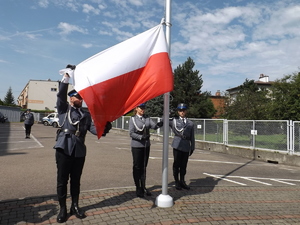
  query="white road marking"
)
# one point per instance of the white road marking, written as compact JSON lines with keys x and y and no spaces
{"x":200,"y":160}
{"x":223,"y":178}
{"x":254,"y":179}
{"x":246,"y":178}
{"x":39,"y":143}
{"x":280,"y":181}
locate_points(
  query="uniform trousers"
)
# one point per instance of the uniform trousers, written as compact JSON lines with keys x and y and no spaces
{"x":68,"y":167}
{"x":28,"y":129}
{"x":180,"y":163}
{"x":140,"y":161}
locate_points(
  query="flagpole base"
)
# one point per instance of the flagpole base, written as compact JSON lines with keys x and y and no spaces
{"x":164,"y":201}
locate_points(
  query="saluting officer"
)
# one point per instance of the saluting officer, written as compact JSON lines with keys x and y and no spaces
{"x":183,"y":144}
{"x":70,"y":147}
{"x":28,"y":122}
{"x":139,"y":126}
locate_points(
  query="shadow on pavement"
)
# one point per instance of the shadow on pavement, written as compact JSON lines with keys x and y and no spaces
{"x":4,"y":136}
{"x":40,"y":209}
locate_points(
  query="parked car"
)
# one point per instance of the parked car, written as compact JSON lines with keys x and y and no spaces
{"x":2,"y":118}
{"x":51,"y":120}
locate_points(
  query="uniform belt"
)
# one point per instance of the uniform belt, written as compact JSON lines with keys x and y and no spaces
{"x":182,"y":136}
{"x":69,"y":131}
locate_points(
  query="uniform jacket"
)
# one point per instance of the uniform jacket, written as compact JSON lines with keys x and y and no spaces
{"x":184,"y":139}
{"x":66,"y":138}
{"x":137,"y":128}
{"x":29,"y":118}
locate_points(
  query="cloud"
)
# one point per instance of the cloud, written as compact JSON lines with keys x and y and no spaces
{"x":282,"y":23}
{"x":69,"y":28}
{"x":3,"y":61}
{"x":121,"y":35}
{"x":232,"y":43}
{"x":90,"y":9}
{"x":43,"y":3}
{"x":136,"y":2}
{"x":87,"y":45}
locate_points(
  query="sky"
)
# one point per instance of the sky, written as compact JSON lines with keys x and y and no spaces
{"x":229,"y":40}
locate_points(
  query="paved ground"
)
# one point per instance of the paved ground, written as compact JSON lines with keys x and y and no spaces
{"x":225,"y":189}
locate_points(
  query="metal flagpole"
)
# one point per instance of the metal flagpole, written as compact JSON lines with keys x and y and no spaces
{"x":164,"y":200}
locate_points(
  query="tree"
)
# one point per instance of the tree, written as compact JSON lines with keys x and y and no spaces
{"x":9,"y":98}
{"x":285,"y":95}
{"x":155,"y":107}
{"x":187,"y":89}
{"x":251,"y":103}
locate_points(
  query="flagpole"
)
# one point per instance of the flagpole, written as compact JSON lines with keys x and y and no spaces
{"x":165,"y":200}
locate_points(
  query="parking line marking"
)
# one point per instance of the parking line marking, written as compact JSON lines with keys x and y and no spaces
{"x":255,"y":179}
{"x":223,"y":178}
{"x":246,"y":178}
{"x":200,"y":160}
{"x":280,"y":181}
{"x":39,"y":143}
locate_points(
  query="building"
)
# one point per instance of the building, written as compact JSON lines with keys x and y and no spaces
{"x":39,"y":95}
{"x":219,"y":103}
{"x":262,"y":83}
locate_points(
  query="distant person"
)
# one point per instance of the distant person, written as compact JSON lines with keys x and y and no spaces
{"x":70,"y":146}
{"x":183,"y":145}
{"x":139,"y":126}
{"x":28,"y":122}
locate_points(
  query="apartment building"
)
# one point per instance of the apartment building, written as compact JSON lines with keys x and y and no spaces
{"x":39,"y":95}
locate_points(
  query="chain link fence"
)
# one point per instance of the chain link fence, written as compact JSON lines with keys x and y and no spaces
{"x":262,"y":134}
{"x":296,"y":137}
{"x":273,"y":135}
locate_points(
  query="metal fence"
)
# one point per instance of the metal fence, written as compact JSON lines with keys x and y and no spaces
{"x":272,"y":135}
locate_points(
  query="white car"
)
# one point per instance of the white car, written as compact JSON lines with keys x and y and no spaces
{"x":51,"y":120}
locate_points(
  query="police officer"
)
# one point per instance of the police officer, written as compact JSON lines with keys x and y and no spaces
{"x":183,"y":144}
{"x":139,"y":126}
{"x":28,"y":122}
{"x":70,"y":147}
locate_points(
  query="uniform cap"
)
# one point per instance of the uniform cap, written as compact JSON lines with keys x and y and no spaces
{"x":142,"y":105}
{"x":74,"y":93}
{"x":182,"y":106}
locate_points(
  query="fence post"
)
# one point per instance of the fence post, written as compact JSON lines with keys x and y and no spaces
{"x":225,"y":131}
{"x":291,"y":134}
{"x":204,"y":130}
{"x":253,"y":135}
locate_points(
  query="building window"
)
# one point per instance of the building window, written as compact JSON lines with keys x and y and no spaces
{"x":53,"y":89}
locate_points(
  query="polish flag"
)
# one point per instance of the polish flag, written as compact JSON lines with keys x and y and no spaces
{"x":116,"y":80}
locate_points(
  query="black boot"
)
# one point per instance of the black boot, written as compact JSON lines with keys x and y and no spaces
{"x":62,"y":215}
{"x":143,"y":186}
{"x":177,"y":184}
{"x":182,"y":182}
{"x":139,"y":189}
{"x":137,"y":181}
{"x":184,"y":185}
{"x":75,"y":210}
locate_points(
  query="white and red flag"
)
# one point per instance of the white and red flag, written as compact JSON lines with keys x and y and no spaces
{"x":119,"y":78}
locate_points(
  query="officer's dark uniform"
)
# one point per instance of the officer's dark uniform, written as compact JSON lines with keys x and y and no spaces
{"x":28,"y":122}
{"x":140,"y":147}
{"x":70,"y":151}
{"x":183,"y":146}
